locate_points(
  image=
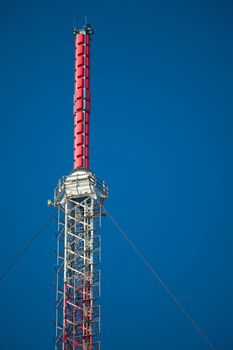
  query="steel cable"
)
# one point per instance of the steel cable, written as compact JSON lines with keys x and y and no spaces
{"x":164,"y":285}
{"x":22,"y":251}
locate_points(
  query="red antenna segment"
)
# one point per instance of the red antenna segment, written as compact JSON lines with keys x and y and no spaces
{"x":82,"y":97}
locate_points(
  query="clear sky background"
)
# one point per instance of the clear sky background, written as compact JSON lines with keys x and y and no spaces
{"x":161,"y":136}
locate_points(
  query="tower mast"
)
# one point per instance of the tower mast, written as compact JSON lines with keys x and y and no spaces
{"x":79,"y":198}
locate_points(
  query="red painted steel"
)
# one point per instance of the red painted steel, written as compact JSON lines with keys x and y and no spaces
{"x":81,"y":101}
{"x":78,"y":307}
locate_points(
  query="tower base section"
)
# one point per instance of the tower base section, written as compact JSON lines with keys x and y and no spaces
{"x":79,"y":198}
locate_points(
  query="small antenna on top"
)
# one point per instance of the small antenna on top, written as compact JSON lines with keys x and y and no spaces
{"x":85,"y":20}
{"x":74,"y":26}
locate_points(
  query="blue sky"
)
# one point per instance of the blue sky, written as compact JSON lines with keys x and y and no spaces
{"x":161,"y":136}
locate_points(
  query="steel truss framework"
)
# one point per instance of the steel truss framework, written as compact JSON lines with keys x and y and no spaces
{"x":79,"y":198}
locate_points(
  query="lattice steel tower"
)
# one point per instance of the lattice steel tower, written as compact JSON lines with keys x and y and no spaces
{"x":79,"y":198}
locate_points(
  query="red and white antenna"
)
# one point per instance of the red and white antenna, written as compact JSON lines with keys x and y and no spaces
{"x":79,"y":198}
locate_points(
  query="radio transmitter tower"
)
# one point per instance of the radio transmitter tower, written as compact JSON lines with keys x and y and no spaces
{"x":79,"y":198}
